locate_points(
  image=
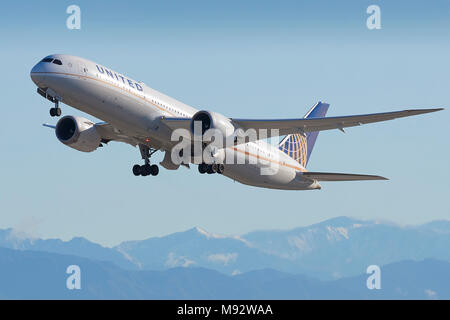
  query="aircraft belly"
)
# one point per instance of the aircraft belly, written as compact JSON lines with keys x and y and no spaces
{"x":256,"y":175}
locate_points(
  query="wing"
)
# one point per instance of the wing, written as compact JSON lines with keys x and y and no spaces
{"x":303,"y":125}
{"x":177,"y":123}
{"x":328,"y":176}
{"x":109,"y":133}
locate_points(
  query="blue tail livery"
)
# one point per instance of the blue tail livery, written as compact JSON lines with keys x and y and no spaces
{"x":298,"y":146}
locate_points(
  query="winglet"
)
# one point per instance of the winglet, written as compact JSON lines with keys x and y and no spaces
{"x":49,"y":125}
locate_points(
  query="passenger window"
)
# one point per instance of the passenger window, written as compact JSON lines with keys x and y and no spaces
{"x":58,"y":62}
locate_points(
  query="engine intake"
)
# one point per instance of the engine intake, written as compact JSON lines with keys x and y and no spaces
{"x":65,"y":129}
{"x":78,"y":133}
{"x":212,"y":120}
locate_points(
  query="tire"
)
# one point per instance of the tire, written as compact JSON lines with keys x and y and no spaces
{"x":214,"y":167}
{"x":58,"y":112}
{"x":202,"y":168}
{"x":154,"y":170}
{"x":137,"y":170}
{"x":52,"y":112}
{"x":220,"y":168}
{"x":145,"y":170}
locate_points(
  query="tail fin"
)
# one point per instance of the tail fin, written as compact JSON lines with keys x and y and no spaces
{"x":299,"y":147}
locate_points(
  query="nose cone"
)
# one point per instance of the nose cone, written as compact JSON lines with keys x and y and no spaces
{"x":36,"y":73}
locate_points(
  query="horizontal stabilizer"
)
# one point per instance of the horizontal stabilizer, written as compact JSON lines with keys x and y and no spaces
{"x":327,"y":176}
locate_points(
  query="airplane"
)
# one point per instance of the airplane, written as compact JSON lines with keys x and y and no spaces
{"x":133,"y":113}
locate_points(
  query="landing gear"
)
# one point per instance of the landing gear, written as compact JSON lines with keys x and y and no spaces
{"x":137,"y":170}
{"x":202,"y":168}
{"x":211,"y":168}
{"x":56,"y":110}
{"x":51,"y":96}
{"x":146,"y":169}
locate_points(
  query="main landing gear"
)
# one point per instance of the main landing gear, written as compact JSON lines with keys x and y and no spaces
{"x":211,"y":168}
{"x":146,"y":169}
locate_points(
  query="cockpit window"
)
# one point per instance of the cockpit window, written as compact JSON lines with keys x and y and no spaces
{"x":56,"y":61}
{"x":47,"y":60}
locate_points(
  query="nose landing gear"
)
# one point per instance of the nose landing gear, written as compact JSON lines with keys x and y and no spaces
{"x":56,"y":110}
{"x":50,"y":95}
{"x":146,"y":169}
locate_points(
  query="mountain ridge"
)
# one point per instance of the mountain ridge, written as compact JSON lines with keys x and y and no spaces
{"x":334,"y":248}
{"x":41,"y":275}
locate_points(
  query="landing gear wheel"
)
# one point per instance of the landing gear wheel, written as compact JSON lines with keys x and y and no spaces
{"x":210,"y":169}
{"x":202,"y":168}
{"x":137,"y":170}
{"x":154,"y":170}
{"x":145,"y":170}
{"x":220,"y":168}
{"x":214,"y":167}
{"x":55,"y":112}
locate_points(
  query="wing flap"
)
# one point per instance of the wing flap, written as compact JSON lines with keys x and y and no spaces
{"x":110,"y":133}
{"x":329,"y":176}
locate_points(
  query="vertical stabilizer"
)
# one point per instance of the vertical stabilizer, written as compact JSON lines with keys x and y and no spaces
{"x":299,"y":147}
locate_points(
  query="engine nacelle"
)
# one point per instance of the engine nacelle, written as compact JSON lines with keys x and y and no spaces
{"x":212,"y":120}
{"x":78,"y":133}
{"x":216,"y":126}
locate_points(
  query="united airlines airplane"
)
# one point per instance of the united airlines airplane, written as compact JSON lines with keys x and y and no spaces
{"x":136,"y":114}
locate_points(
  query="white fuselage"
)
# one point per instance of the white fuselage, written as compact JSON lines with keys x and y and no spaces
{"x":136,"y":109}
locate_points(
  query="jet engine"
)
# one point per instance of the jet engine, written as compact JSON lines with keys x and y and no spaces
{"x":216,"y":126}
{"x":211,"y":120}
{"x":78,"y":133}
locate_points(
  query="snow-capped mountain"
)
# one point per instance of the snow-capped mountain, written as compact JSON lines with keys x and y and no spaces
{"x":332,"y":249}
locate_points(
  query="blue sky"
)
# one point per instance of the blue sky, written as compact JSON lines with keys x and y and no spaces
{"x":242,"y":59}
